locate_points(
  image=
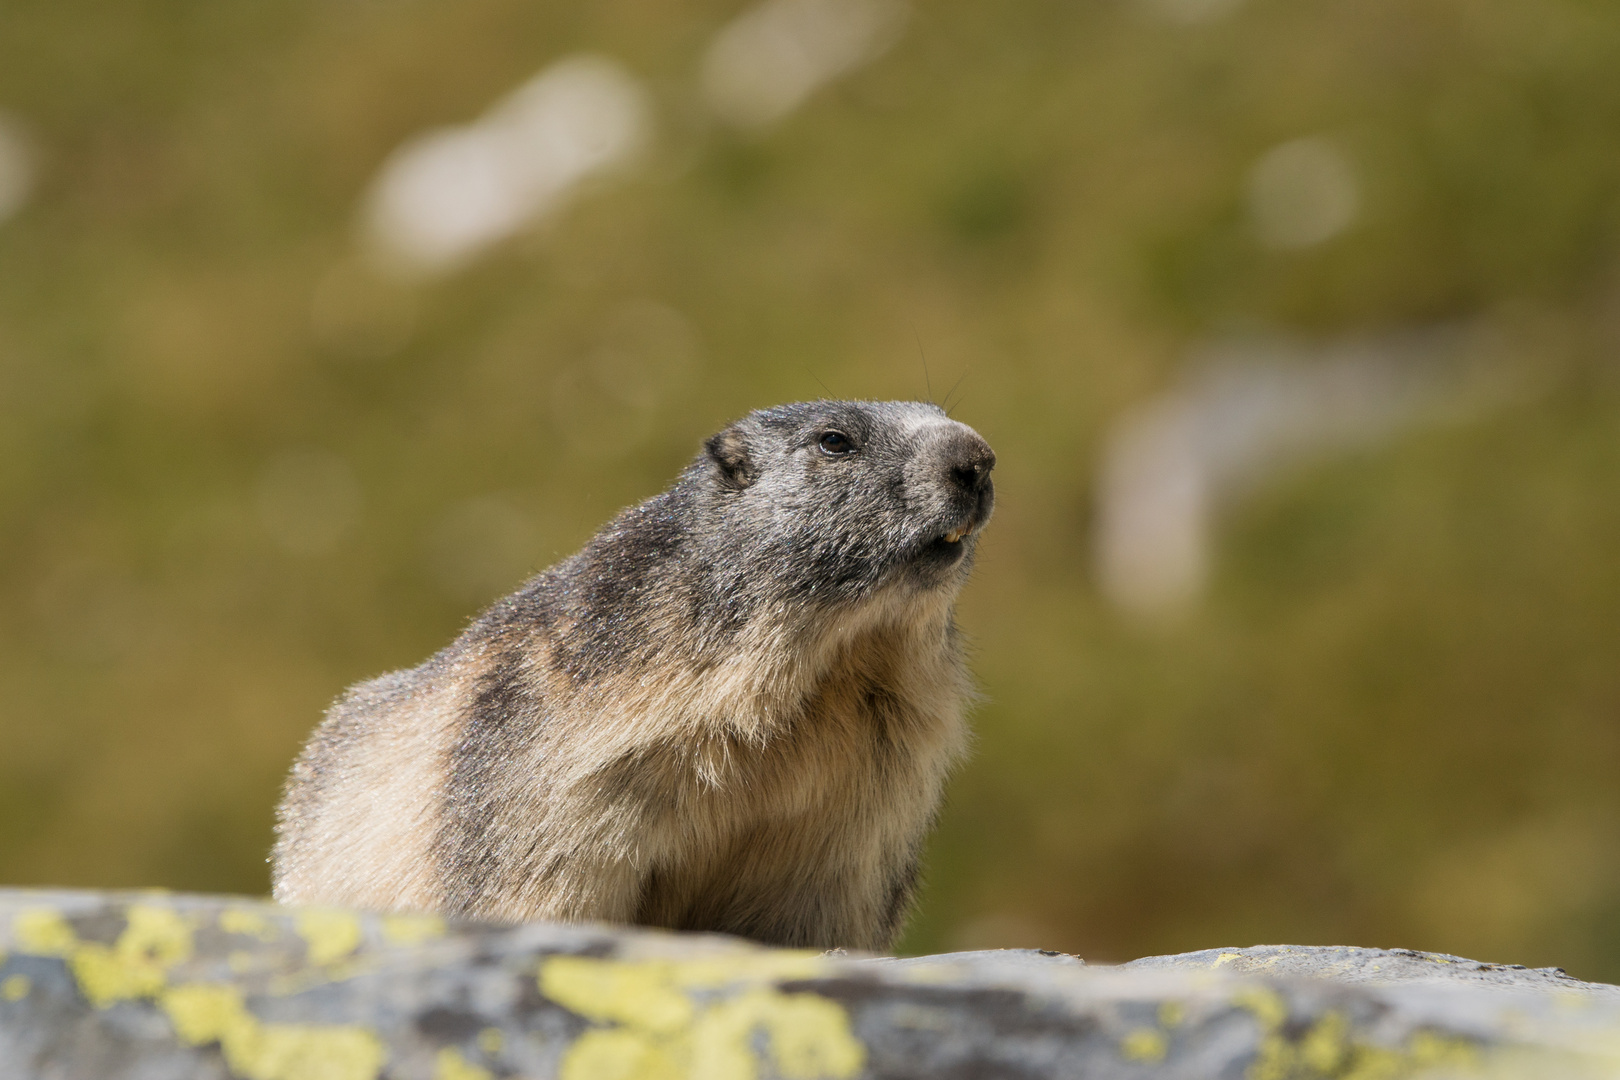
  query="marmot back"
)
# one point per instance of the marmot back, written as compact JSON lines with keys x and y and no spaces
{"x":733,"y":710}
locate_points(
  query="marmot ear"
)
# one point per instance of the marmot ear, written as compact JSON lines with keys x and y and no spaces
{"x":729,"y":451}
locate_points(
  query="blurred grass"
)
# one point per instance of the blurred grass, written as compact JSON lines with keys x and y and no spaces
{"x":1394,"y":721}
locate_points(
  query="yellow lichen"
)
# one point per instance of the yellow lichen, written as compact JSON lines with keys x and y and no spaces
{"x":1274,"y":1057}
{"x":1145,"y":1044}
{"x":643,"y":996}
{"x":659,"y":1033}
{"x":330,"y":934}
{"x":1325,"y":1045}
{"x":490,"y":1041}
{"x":808,"y":1037}
{"x":154,"y":940}
{"x":106,"y":977}
{"x":137,"y":965}
{"x":411,"y":929}
{"x":1171,"y":1014}
{"x":204,"y":1014}
{"x":717,"y":971}
{"x":1328,"y":1049}
{"x":1267,"y":1005}
{"x":450,"y":1065}
{"x":159,"y":933}
{"x":248,"y":922}
{"x":1429,"y":1049}
{"x":1377,"y":1063}
{"x":15,"y":988}
{"x":618,"y":1054}
{"x":43,"y":932}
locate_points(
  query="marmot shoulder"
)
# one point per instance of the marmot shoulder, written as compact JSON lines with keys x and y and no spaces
{"x":733,"y":710}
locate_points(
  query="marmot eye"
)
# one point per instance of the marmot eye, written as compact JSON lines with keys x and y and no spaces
{"x":836,"y":444}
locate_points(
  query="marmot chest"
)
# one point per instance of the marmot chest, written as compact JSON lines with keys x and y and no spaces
{"x":857,"y":773}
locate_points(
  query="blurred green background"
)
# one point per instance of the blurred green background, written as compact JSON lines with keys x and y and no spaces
{"x":243,"y":464}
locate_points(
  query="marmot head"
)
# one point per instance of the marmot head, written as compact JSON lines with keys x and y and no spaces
{"x":832,"y":501}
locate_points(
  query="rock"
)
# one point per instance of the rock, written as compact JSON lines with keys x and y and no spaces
{"x":169,"y":987}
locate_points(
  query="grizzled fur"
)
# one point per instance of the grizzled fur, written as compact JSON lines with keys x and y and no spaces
{"x":733,"y":710}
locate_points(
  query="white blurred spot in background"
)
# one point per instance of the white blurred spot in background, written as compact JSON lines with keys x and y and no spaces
{"x":17,"y":166}
{"x":307,"y":500}
{"x":482,"y":548}
{"x":446,"y":195}
{"x":768,"y":60}
{"x":1302,"y":193}
{"x":1242,"y":415}
{"x":1190,"y":11}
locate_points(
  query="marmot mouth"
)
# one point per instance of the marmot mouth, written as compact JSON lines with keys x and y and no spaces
{"x":948,"y":545}
{"x":975,"y":521}
{"x":977,"y":515}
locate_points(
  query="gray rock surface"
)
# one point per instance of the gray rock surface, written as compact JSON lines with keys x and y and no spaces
{"x":124,"y":986}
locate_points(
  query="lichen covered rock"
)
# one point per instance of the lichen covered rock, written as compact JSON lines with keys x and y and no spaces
{"x":124,"y":986}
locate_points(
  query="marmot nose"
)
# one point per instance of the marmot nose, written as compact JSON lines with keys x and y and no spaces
{"x":969,"y":463}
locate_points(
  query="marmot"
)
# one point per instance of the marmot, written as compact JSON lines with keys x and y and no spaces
{"x":732,"y":711}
